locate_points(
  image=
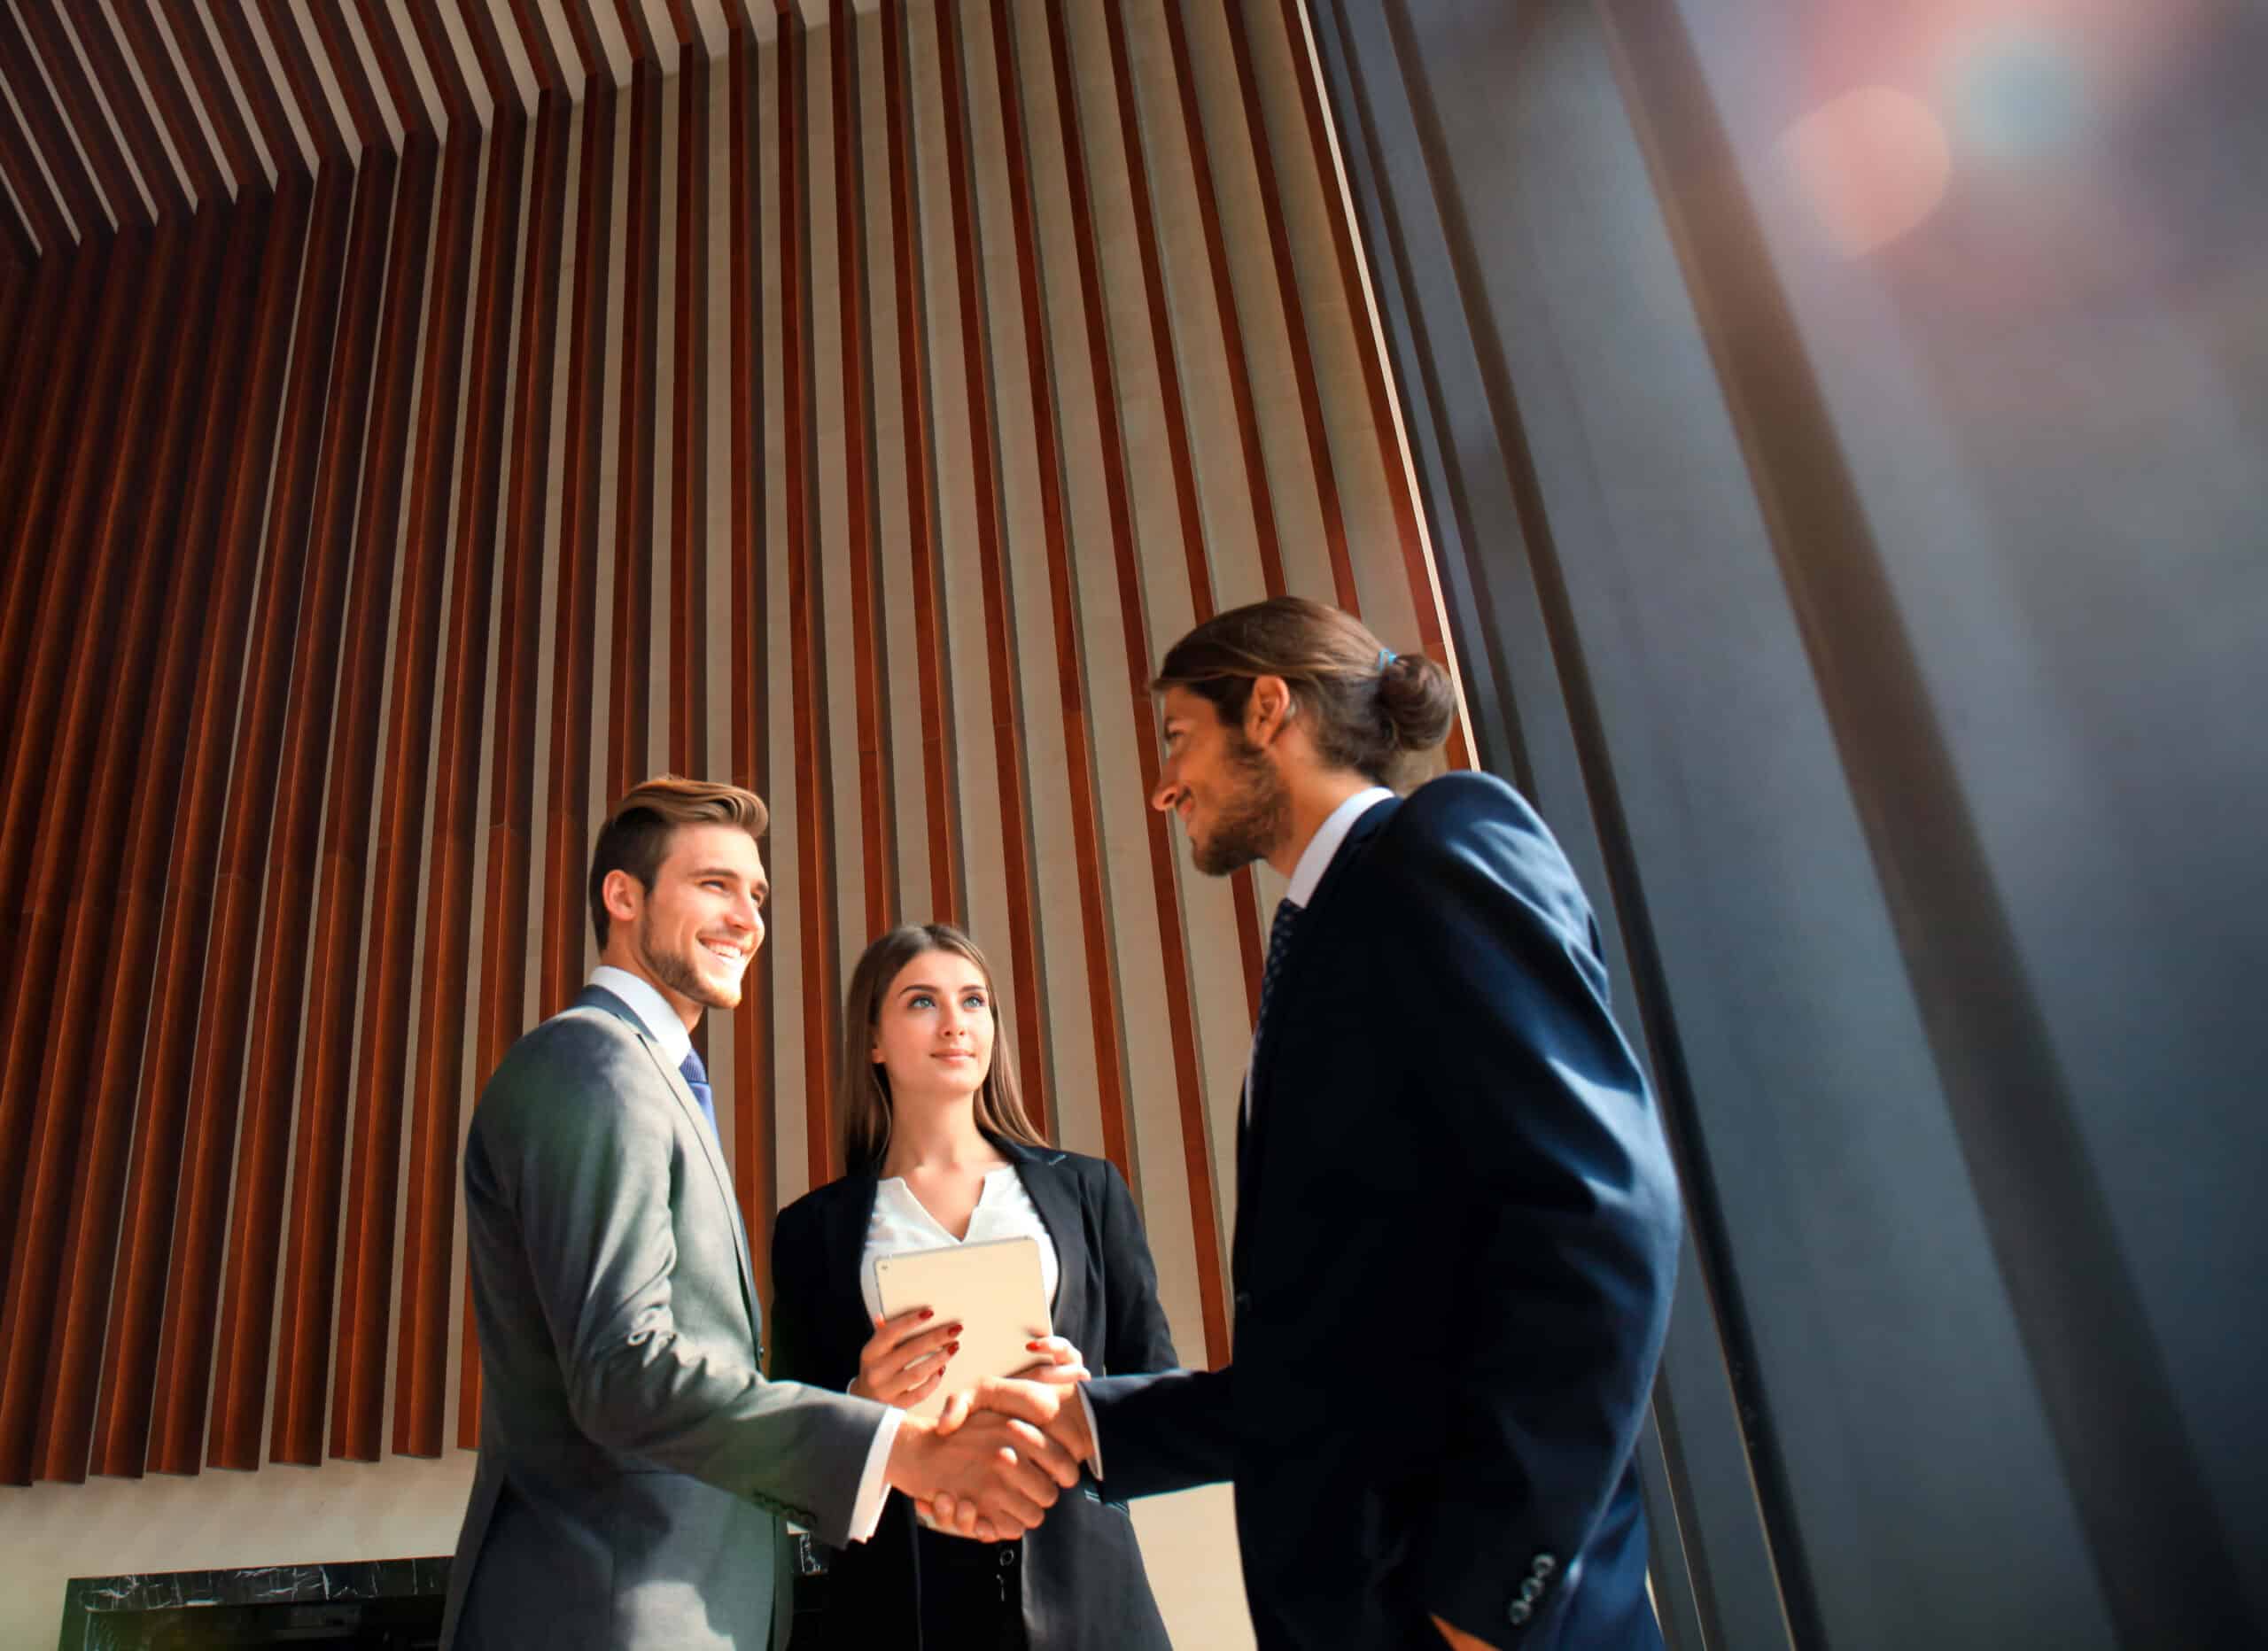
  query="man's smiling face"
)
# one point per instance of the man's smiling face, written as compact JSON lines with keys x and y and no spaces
{"x":694,"y":933}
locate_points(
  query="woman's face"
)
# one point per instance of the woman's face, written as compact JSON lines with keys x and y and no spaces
{"x":933,"y":1034}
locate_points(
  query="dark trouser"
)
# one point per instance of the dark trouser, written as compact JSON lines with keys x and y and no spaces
{"x":971,"y":1593}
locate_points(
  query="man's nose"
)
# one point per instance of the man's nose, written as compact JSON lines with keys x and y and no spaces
{"x":1167,"y":797}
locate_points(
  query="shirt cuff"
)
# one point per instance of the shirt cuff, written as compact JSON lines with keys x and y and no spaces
{"x":874,"y":1483}
{"x":1094,"y":1434}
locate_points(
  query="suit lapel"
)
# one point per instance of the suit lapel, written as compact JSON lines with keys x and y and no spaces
{"x":1311,"y":949}
{"x":1057,"y":1200}
{"x":712,"y":1150}
{"x":844,"y":1220}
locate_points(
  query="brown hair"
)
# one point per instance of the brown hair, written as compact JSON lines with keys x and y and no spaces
{"x":636,"y":836}
{"x":1371,"y":710}
{"x":862,"y":1101}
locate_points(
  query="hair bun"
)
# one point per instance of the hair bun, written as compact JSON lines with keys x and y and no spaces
{"x":1417,"y":700}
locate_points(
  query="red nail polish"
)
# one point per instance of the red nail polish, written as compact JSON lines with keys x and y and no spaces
{"x":927,"y":1314}
{"x":953,"y":1346}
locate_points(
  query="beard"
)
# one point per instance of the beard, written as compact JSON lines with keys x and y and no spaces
{"x":682,"y":975}
{"x":1254,"y":815}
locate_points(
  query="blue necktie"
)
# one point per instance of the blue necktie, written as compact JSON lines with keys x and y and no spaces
{"x":696,"y":1079}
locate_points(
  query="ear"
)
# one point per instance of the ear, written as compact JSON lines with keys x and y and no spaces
{"x":1267,"y":710}
{"x":625,"y":897}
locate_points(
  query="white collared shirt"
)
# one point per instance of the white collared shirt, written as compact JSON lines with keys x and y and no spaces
{"x":669,"y":1034}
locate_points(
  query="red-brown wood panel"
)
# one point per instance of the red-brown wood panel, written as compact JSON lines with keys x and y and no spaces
{"x":233,"y":25}
{"x":495,"y":68}
{"x":1242,"y":893}
{"x":628,"y":759}
{"x":139,"y":1298}
{"x":1063,"y":610}
{"x":1392,"y":464}
{"x":75,"y":91}
{"x":543,"y":55}
{"x":994,"y":592}
{"x":1295,"y":325}
{"x":73,"y":183}
{"x":637,"y":33}
{"x":366,"y":126}
{"x":389,"y":959}
{"x":132,"y":110}
{"x":50,"y":350}
{"x":46,"y":598}
{"x":1173,"y":946}
{"x":100,"y":1007}
{"x":210,"y":87}
{"x":185,"y":1361}
{"x":756,"y":1139}
{"x":112,"y":596}
{"x":448,"y":71}
{"x":422,"y":1353}
{"x":877,"y":794}
{"x":948,"y":887}
{"x":138,"y":27}
{"x":43,"y":216}
{"x":1224,"y":300}
{"x":270,"y":1083}
{"x":383,"y":27}
{"x":814,"y":894}
{"x":567,"y":798}
{"x":583,"y":27}
{"x":512,"y":744}
{"x":688,"y":666}
{"x":327,"y":1040}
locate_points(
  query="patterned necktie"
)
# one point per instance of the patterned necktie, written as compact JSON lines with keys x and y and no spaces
{"x":696,"y":1079}
{"x":1279,"y":945}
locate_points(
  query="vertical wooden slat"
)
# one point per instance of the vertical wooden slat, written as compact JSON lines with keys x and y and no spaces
{"x":543,"y":55}
{"x":138,"y":1299}
{"x":76,"y":93}
{"x":755,"y":1116}
{"x":688,"y":673}
{"x":327,"y":1041}
{"x":877,"y":801}
{"x":940,"y":760}
{"x":50,"y":129}
{"x":99,"y":1008}
{"x":271,"y":1087}
{"x":334,"y":136}
{"x":566,"y":803}
{"x":1295,"y":327}
{"x":421,"y":1364}
{"x":512,"y":745}
{"x":1394,"y":463}
{"x":382,"y":27}
{"x":185,"y":1346}
{"x":447,"y":70}
{"x":1006,"y":698}
{"x":43,"y":212}
{"x":209,"y":88}
{"x":136,"y":121}
{"x":389,"y":961}
{"x":45,"y":625}
{"x":99,"y":689}
{"x":233,"y":25}
{"x":366,"y":128}
{"x":138,"y":27}
{"x":1181,"y":1021}
{"x":1070,"y":673}
{"x":814,"y":895}
{"x":1243,"y":894}
{"x":628,"y":689}
{"x":495,"y":69}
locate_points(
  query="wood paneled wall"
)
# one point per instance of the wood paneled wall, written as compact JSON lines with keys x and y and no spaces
{"x":856,"y":414}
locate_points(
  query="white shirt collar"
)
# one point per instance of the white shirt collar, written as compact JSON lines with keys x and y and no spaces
{"x":1323,"y":847}
{"x":652,"y":1009}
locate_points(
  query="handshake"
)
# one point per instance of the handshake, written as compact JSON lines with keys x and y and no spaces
{"x":993,"y":1465}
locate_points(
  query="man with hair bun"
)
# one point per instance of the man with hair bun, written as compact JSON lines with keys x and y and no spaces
{"x":1456,"y":1222}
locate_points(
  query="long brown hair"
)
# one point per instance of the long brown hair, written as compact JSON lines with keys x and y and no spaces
{"x":862,"y":1099}
{"x":1370,"y":710}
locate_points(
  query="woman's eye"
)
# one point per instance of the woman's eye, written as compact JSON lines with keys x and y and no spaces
{"x":973,"y":1001}
{"x":920,"y":1000}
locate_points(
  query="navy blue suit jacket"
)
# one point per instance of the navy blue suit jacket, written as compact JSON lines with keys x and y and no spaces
{"x":1456,"y":1234}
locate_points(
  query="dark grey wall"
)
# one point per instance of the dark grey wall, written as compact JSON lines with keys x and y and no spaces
{"x":1885,"y":631}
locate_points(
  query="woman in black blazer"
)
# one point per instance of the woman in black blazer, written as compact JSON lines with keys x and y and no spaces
{"x":931,"y":1122}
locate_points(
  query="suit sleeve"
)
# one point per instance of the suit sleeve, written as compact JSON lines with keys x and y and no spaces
{"x":585,"y":1159}
{"x":1135,"y":1336}
{"x":1563,"y":1208}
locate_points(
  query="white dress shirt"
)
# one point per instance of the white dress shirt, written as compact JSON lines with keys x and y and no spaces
{"x":663,"y":1025}
{"x":901,"y":1223}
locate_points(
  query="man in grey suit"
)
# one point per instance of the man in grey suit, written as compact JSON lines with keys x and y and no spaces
{"x":634,"y":1462}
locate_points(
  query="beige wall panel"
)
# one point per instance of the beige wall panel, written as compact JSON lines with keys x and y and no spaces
{"x":663,"y":277}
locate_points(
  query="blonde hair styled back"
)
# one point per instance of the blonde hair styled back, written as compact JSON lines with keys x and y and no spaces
{"x":862,"y":1098}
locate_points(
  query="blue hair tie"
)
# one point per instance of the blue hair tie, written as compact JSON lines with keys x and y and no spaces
{"x":1386,"y":657}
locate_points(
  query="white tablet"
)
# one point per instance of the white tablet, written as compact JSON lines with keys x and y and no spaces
{"x":995,"y":1290}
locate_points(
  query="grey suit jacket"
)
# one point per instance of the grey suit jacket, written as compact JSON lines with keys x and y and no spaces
{"x":634,"y":1460}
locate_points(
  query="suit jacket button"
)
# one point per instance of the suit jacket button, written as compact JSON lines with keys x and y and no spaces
{"x":1244,"y":1301}
{"x":1531,"y":1590}
{"x":1544,"y":1565}
{"x":1519,"y":1611}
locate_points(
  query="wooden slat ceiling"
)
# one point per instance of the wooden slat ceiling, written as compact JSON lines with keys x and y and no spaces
{"x":121,"y":112}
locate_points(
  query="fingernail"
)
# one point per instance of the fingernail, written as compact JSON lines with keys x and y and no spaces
{"x":953,"y":1346}
{"x":928,"y":1313}
{"x":1033,"y":1346}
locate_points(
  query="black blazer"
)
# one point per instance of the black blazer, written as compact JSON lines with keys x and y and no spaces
{"x":1084,"y":1581}
{"x":1456,"y":1234}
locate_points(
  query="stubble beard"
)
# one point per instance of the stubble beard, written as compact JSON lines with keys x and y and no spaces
{"x":1255,"y":816}
{"x":682,"y":975}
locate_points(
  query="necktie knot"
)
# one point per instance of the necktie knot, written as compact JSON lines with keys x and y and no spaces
{"x":696,"y":1079}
